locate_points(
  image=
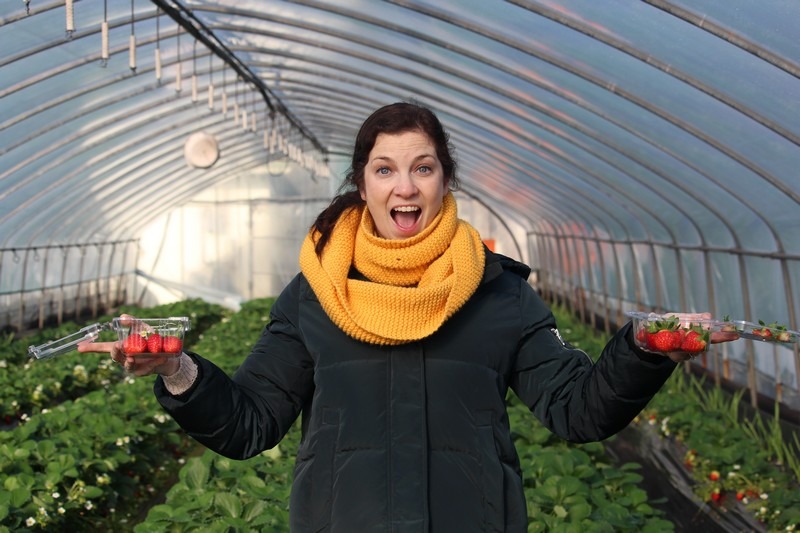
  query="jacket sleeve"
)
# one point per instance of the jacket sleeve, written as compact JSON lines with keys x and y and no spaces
{"x":577,"y":399}
{"x":250,"y":413}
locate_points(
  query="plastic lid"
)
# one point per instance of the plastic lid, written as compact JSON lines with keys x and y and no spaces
{"x":68,"y":343}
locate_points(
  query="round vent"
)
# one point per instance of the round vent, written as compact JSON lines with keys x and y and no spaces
{"x":201,"y":150}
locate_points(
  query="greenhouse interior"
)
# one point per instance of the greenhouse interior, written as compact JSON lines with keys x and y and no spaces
{"x":167,"y":158}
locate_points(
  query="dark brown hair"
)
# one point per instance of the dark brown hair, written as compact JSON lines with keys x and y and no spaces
{"x":394,"y":118}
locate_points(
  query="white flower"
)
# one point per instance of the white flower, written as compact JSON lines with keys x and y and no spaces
{"x":160,"y":418}
{"x":764,"y":496}
{"x":45,"y":411}
{"x":79,"y":371}
{"x":30,"y":521}
{"x":3,"y":363}
{"x":88,"y":505}
{"x":737,"y":467}
{"x":61,"y":510}
{"x":56,"y":495}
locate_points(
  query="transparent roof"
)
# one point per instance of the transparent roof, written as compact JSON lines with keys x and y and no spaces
{"x":654,"y":143}
{"x":670,"y":122}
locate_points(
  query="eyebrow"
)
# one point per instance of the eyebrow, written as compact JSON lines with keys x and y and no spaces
{"x":387,"y":158}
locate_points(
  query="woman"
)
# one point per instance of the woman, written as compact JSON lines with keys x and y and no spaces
{"x":398,"y":342}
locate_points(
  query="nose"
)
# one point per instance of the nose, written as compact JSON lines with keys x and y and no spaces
{"x":405,"y":186}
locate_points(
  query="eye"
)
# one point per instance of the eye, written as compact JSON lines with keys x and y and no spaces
{"x":383,"y":171}
{"x":424,"y":169}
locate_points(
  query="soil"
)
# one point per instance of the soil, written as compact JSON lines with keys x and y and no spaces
{"x":666,"y":479}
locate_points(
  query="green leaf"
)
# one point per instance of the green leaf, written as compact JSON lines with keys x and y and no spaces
{"x":254,"y":510}
{"x":160,"y":512}
{"x":560,"y":511}
{"x":196,"y":472}
{"x":229,"y":504}
{"x":92,"y":492}
{"x":580,"y":511}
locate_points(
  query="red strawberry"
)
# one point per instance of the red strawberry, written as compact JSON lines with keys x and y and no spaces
{"x":740,"y":495}
{"x":694,"y":342}
{"x":765,"y":333}
{"x":172,"y":344}
{"x":135,"y":343}
{"x":714,"y":475}
{"x":716,"y":496}
{"x":664,"y":340}
{"x":154,"y":343}
{"x":664,"y":335}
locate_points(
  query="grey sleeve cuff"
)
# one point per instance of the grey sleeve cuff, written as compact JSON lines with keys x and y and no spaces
{"x":184,"y":378}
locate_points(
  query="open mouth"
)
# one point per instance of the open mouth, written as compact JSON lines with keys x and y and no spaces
{"x":406,"y":216}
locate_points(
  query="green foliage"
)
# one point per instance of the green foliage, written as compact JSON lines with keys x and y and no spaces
{"x":111,"y":450}
{"x":84,"y":439}
{"x":27,"y":385}
{"x":574,"y":487}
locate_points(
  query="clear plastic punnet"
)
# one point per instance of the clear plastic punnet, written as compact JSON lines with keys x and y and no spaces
{"x":141,"y":337}
{"x":68,"y":343}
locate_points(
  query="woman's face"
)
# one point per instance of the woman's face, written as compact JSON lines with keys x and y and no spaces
{"x":404,"y":184}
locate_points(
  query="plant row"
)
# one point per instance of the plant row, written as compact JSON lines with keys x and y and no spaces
{"x":27,"y":384}
{"x":71,"y":464}
{"x":737,"y":458}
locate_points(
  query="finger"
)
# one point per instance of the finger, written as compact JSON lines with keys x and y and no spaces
{"x":723,"y":336}
{"x":142,"y":366}
{"x":96,"y":347}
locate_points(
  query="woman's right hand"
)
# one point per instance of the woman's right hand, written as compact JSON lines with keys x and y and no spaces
{"x":133,"y":364}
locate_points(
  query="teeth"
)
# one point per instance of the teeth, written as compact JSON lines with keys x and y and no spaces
{"x":407,"y":208}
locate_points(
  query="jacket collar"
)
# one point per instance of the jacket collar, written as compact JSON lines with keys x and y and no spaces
{"x":497,"y":263}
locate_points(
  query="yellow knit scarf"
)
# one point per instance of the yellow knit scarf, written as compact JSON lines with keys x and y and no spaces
{"x":415,"y":284}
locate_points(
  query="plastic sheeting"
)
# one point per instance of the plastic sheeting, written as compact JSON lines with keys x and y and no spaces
{"x":649,"y":150}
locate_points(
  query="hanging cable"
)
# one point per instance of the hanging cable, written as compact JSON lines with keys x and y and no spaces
{"x":236,"y":102}
{"x":189,"y":21}
{"x":253,"y":112}
{"x":70,"y":24}
{"x":104,"y":35}
{"x":158,"y":45}
{"x":194,"y":71}
{"x":178,"y":64}
{"x":224,"y":93}
{"x":211,"y":82}
{"x":244,"y":112}
{"x":132,"y":42}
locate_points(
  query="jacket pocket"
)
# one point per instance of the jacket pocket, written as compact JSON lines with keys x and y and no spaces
{"x":311,"y":497}
{"x":491,"y":473}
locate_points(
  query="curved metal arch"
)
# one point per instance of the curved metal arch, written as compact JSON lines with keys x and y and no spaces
{"x":631,"y":198}
{"x":783,"y":63}
{"x":612,"y":88}
{"x":514,"y":97}
{"x":672,"y":154}
{"x":620,"y":45}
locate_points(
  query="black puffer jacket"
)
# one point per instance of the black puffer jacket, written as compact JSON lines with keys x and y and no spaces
{"x":414,"y":437}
